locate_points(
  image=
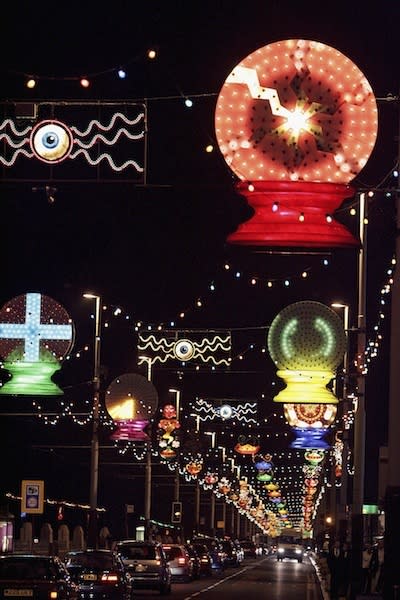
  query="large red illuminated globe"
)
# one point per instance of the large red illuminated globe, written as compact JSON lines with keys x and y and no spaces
{"x":296,"y":121}
{"x":296,"y":110}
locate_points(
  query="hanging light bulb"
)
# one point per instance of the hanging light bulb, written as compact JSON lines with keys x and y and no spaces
{"x":31,"y":83}
{"x":84,"y":82}
{"x":121,"y":73}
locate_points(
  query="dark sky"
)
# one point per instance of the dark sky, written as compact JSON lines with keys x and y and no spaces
{"x":154,"y":249}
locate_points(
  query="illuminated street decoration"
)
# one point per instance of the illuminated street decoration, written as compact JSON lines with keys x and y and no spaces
{"x":168,"y":440}
{"x":307,"y":341}
{"x":247,"y":445}
{"x":36,"y":333}
{"x":296,"y":121}
{"x":225,"y":409}
{"x":310,"y":423}
{"x":131,"y":401}
{"x":94,"y":135}
{"x":204,"y":346}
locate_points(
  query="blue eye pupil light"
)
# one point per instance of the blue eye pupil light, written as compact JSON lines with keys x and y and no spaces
{"x":50,"y":140}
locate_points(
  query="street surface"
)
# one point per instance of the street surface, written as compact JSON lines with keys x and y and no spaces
{"x":260,"y":578}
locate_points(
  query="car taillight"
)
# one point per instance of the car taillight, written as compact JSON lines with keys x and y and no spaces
{"x":109,"y":577}
{"x":181,"y":561}
{"x":53,"y":595}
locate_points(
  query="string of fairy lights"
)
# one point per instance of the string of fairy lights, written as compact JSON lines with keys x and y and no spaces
{"x":289,"y":472}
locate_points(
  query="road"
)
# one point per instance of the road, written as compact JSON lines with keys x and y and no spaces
{"x":256,"y":579}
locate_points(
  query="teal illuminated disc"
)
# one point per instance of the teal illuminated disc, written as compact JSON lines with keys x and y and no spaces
{"x":307,"y":335}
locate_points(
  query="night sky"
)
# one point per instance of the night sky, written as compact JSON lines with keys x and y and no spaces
{"x":153,"y":250}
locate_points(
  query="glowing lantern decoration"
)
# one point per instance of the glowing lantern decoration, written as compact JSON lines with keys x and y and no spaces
{"x":314,"y":456}
{"x":307,"y":342}
{"x":296,"y":121}
{"x":168,"y":441}
{"x":246,"y":446}
{"x":210,"y":479}
{"x":264,"y":476}
{"x":194,"y":467}
{"x":131,"y":401}
{"x":35,"y":334}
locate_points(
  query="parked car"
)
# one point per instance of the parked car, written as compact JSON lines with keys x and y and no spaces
{"x":195,"y":558}
{"x":249,"y":548}
{"x":179,"y":562}
{"x":205,"y":559}
{"x":99,"y":574}
{"x":216,"y":551}
{"x":147,"y":564}
{"x":35,"y":576}
{"x":239,"y":551}
{"x":230,"y":555}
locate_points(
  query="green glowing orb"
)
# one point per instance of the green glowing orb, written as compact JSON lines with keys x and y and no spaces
{"x":307,"y":335}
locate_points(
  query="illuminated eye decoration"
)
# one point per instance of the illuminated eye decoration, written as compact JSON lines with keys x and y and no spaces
{"x":131,"y":400}
{"x":35,"y":334}
{"x":174,"y":345}
{"x":209,"y":410}
{"x":107,"y":139}
{"x":184,"y":350}
{"x":51,"y":141}
{"x":296,"y":121}
{"x":226,"y":412}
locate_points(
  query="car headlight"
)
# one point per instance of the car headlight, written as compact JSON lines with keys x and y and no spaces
{"x":298,"y":551}
{"x":280,"y":550}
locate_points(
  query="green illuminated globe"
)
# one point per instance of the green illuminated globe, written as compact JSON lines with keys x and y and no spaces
{"x":308,"y":336}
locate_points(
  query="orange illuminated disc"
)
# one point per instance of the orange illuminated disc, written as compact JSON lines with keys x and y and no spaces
{"x":296,"y":110}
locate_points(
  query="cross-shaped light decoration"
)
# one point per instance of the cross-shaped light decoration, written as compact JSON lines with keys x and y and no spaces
{"x":35,"y":334}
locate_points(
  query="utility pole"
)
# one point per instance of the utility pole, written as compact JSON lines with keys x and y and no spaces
{"x":391,"y":583}
{"x":92,"y":537}
{"x":357,"y":528}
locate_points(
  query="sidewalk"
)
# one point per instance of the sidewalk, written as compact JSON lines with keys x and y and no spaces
{"x":321,"y":571}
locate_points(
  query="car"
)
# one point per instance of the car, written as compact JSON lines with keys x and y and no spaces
{"x":147,"y":565}
{"x":230,"y":554}
{"x":205,"y":559}
{"x":179,"y":562}
{"x":288,"y":547}
{"x":99,"y":574}
{"x":249,"y":548}
{"x":239,"y":551}
{"x":216,"y":551}
{"x":195,"y":558}
{"x":35,"y":576}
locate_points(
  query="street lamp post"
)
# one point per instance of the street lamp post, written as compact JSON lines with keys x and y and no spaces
{"x":94,"y":458}
{"x":177,"y":408}
{"x":341,"y":520}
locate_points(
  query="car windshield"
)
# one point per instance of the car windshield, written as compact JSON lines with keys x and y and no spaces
{"x":29,"y":568}
{"x":137,"y":552}
{"x":172,"y":552}
{"x":90,"y":561}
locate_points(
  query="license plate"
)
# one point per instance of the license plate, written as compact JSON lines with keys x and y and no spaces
{"x":140,"y":568}
{"x":18,"y":593}
{"x":89,"y":577}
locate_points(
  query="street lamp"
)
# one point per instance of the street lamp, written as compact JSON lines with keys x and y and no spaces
{"x":94,"y":459}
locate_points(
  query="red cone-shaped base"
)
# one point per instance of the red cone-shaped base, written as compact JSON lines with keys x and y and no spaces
{"x":278,"y":206}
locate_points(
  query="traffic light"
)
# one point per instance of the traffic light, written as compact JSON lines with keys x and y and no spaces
{"x":176,"y":516}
